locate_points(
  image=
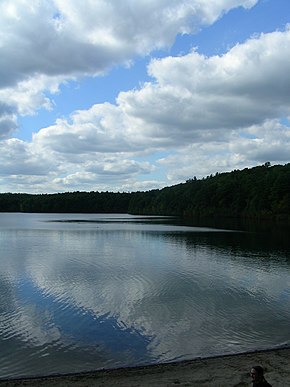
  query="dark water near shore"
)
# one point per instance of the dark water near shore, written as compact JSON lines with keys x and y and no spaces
{"x":82,"y":292}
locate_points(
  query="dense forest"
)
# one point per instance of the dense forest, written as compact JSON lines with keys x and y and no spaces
{"x":259,"y":192}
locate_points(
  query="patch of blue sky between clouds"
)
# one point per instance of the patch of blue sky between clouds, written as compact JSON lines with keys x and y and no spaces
{"x":285,"y":121}
{"x":248,"y":136}
{"x":235,"y":27}
{"x":84,"y":93}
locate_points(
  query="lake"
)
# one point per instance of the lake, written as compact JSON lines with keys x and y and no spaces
{"x":81,"y":292}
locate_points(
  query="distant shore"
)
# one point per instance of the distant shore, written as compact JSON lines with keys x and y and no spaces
{"x":219,"y":371}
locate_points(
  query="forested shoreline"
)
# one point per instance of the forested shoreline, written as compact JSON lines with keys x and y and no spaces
{"x":259,"y":192}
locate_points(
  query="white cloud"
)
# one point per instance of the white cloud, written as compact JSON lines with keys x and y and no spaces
{"x":271,"y":142}
{"x":257,"y":144}
{"x":74,"y":38}
{"x":192,"y":99}
{"x":245,"y":86}
{"x":103,"y":171}
{"x":210,"y":114}
{"x":7,"y":125}
{"x":19,"y":157}
{"x":45,"y":43}
{"x":28,"y":168}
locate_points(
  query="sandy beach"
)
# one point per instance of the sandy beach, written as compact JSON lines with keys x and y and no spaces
{"x":223,"y":371}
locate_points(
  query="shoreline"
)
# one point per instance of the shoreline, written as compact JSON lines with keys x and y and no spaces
{"x":223,"y":370}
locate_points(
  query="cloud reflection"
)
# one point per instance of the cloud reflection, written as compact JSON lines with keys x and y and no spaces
{"x":132,"y":296}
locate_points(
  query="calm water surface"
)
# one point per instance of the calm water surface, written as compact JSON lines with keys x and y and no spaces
{"x":82,"y":292}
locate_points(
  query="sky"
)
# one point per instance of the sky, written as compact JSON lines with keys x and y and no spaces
{"x":123,"y":96}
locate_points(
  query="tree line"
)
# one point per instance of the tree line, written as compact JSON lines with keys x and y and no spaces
{"x":259,"y":192}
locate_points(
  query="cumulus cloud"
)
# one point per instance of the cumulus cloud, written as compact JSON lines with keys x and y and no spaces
{"x":104,"y":170}
{"x":211,"y":113}
{"x":257,"y":144}
{"x":45,"y":43}
{"x":7,"y":125}
{"x":269,"y":141}
{"x":245,"y":86}
{"x":191,"y":99}
{"x":61,"y":38}
{"x":7,"y":120}
{"x":19,"y":157}
{"x":220,"y":111}
{"x":26,"y":166}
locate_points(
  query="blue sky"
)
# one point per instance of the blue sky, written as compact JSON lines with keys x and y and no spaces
{"x":134,"y":96}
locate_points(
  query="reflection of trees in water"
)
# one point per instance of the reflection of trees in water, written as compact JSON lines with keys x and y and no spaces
{"x":267,"y":240}
{"x":143,"y":289}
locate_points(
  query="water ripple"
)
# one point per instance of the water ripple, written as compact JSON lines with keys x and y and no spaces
{"x":83,"y":298}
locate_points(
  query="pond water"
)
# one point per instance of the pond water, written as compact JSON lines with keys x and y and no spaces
{"x":81,"y":292}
